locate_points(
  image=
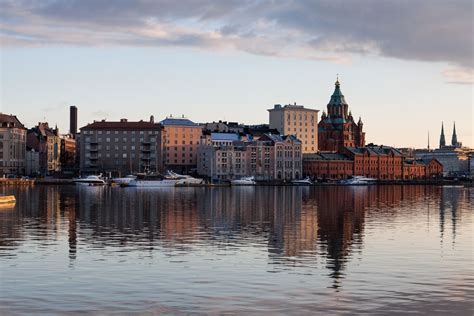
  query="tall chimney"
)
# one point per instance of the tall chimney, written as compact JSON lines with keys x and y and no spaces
{"x":73,"y":120}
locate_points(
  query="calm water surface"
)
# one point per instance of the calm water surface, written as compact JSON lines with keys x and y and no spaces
{"x":258,"y":250}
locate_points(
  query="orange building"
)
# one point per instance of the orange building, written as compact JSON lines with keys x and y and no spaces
{"x":413,"y":169}
{"x":434,"y":168}
{"x":379,"y":162}
{"x":326,"y":165}
{"x":180,"y":141}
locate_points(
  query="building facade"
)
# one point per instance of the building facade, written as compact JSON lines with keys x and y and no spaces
{"x":32,"y":163}
{"x":120,"y":148}
{"x":180,"y":139}
{"x":68,"y":153}
{"x":271,"y":157}
{"x":298,"y":121}
{"x":337,"y":128}
{"x":12,"y":145}
{"x":47,"y":142}
{"x":378,"y":162}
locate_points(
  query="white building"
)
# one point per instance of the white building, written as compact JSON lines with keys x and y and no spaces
{"x":12,"y":145}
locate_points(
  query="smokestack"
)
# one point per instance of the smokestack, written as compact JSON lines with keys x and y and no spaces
{"x":73,"y":121}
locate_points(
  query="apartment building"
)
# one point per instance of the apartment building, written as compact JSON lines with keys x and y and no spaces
{"x":180,"y":139}
{"x":120,"y":147}
{"x":12,"y":145}
{"x":47,"y":142}
{"x":271,"y":157}
{"x":293,"y":119}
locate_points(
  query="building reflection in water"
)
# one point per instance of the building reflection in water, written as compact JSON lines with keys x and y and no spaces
{"x":299,"y":226}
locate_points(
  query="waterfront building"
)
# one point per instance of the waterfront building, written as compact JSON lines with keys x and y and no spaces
{"x":180,"y":139}
{"x":12,"y":145}
{"x":455,"y":161}
{"x":120,"y":147}
{"x":337,"y":128}
{"x":293,"y":119}
{"x":270,"y":157}
{"x":32,"y":163}
{"x":379,"y":162}
{"x":68,"y":153}
{"x":47,"y":142}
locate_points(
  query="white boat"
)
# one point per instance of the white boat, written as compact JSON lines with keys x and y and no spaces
{"x":153,"y":181}
{"x":184,"y":180}
{"x":359,"y":180}
{"x":125,"y":180}
{"x":90,"y":180}
{"x":305,"y":181}
{"x":244,"y":181}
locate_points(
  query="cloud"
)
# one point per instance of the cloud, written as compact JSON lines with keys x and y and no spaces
{"x":459,"y":75}
{"x":334,"y":30}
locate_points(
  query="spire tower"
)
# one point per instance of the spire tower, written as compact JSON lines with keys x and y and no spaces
{"x":442,"y":140}
{"x":454,"y":139}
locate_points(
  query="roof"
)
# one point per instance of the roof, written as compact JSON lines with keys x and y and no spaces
{"x":325,"y":156}
{"x":279,"y":107}
{"x":10,"y":121}
{"x":281,"y":138}
{"x":337,"y":97}
{"x":374,"y":150}
{"x":121,"y":125}
{"x":224,"y":136}
{"x":178,"y":122}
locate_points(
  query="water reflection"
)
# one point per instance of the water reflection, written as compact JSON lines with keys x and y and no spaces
{"x":296,"y":223}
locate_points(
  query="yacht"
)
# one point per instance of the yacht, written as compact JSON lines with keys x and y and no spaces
{"x":125,"y":180}
{"x":153,"y":181}
{"x":358,"y":180}
{"x":305,"y":181}
{"x":90,"y":180}
{"x":244,"y":181}
{"x":184,"y":180}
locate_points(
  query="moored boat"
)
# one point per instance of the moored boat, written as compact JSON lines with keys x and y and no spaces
{"x":244,"y":181}
{"x":305,"y":181}
{"x":91,"y":180}
{"x":358,"y":180}
{"x":7,"y":199}
{"x":124,"y":181}
{"x":153,"y":181}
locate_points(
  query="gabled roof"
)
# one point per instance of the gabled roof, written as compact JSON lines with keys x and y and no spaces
{"x":10,"y":121}
{"x":326,"y":156}
{"x":280,"y":138}
{"x":178,"y":122}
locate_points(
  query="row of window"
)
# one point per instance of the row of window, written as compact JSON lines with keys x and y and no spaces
{"x":86,"y":132}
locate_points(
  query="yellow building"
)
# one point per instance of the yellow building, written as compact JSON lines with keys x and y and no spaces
{"x":299,"y":121}
{"x":180,"y":141}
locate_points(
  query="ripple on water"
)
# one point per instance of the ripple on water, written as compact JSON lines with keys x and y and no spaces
{"x":272,"y":250}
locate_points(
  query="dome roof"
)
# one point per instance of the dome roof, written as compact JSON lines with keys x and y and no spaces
{"x":337,"y":97}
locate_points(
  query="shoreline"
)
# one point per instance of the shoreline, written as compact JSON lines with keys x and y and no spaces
{"x":32,"y":182}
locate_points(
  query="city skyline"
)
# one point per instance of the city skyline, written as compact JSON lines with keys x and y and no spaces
{"x":232,"y":61}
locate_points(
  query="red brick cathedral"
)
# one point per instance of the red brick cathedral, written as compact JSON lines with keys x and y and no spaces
{"x":337,"y":128}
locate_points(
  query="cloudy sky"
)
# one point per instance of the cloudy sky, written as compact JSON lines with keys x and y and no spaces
{"x":404,"y":65}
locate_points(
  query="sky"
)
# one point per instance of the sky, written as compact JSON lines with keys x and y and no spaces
{"x":404,"y":66}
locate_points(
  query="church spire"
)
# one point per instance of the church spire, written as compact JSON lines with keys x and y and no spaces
{"x":454,"y":139}
{"x":442,"y":141}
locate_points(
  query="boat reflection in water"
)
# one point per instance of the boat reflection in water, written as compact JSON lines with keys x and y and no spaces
{"x":244,"y":249}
